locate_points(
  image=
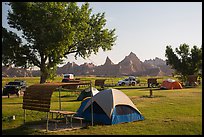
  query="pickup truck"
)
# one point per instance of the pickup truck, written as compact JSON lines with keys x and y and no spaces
{"x":14,"y":87}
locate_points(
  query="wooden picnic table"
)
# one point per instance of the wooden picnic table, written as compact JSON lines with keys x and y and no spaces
{"x":63,"y":113}
{"x":38,"y":98}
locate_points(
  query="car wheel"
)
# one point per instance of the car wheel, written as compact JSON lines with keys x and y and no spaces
{"x":123,"y":84}
{"x":133,"y":84}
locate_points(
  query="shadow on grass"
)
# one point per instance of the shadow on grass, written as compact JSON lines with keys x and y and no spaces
{"x":67,"y":96}
{"x":10,"y":103}
{"x":154,"y":96}
{"x":23,"y":129}
{"x":131,"y":88}
{"x":70,"y":100}
{"x":38,"y":128}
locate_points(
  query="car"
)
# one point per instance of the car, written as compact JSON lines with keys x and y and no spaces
{"x":22,"y":83}
{"x":68,"y":77}
{"x":14,"y":87}
{"x":130,"y":81}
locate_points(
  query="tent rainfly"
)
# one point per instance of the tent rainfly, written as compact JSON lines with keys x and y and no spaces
{"x":170,"y":84}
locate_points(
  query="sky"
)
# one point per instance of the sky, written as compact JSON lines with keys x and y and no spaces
{"x":144,"y":28}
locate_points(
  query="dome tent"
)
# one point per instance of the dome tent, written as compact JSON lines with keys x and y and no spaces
{"x":110,"y":106}
{"x":87,"y":93}
{"x":171,"y":84}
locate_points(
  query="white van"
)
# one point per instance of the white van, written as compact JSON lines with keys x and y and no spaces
{"x":68,"y":76}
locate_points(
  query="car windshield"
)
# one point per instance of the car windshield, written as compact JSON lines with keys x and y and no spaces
{"x":14,"y":83}
{"x":66,"y":76}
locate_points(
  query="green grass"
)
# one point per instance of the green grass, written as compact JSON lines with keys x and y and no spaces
{"x":169,"y":112}
{"x":109,"y":80}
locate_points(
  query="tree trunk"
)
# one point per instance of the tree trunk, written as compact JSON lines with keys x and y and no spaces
{"x":43,"y":77}
{"x":44,"y":74}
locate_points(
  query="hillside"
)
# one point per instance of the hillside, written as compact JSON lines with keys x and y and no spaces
{"x":130,"y":65}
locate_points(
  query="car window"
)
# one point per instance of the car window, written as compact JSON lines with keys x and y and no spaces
{"x":14,"y":83}
{"x":21,"y":82}
{"x":66,"y":76}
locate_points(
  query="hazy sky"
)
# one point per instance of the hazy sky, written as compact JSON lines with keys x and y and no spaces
{"x":145,"y":28}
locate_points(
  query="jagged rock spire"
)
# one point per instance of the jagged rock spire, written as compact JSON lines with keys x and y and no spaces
{"x":108,"y":61}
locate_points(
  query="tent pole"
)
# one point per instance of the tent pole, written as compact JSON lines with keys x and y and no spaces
{"x":91,"y":104}
{"x":60,"y":98}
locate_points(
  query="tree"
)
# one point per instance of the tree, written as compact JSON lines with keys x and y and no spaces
{"x":53,"y":30}
{"x":185,"y":61}
{"x":11,"y":40}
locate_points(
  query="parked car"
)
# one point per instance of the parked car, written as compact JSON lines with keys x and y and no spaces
{"x":68,"y":77}
{"x":130,"y":81}
{"x":22,"y":83}
{"x":14,"y":87}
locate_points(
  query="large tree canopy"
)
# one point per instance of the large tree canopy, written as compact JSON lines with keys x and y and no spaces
{"x":185,"y":61}
{"x":53,"y":30}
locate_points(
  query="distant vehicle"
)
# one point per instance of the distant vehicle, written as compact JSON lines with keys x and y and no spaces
{"x":22,"y":83}
{"x":130,"y":81}
{"x":68,"y":77}
{"x":14,"y":87}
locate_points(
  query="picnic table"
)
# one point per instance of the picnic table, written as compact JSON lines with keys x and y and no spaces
{"x":38,"y":98}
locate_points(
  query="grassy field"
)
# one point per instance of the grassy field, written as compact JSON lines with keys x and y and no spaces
{"x":169,"y":112}
{"x":109,"y":80}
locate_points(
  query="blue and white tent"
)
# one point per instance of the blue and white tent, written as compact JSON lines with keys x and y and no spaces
{"x":110,"y":106}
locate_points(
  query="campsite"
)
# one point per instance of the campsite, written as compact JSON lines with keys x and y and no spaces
{"x":97,"y":68}
{"x":168,"y":112}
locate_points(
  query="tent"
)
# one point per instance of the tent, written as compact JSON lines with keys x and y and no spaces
{"x":87,"y":93}
{"x":171,"y":84}
{"x":110,"y":106}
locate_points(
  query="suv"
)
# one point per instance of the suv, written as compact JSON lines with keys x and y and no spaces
{"x":14,"y":87}
{"x":130,"y":81}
